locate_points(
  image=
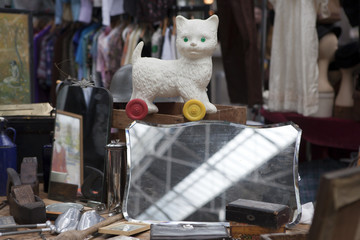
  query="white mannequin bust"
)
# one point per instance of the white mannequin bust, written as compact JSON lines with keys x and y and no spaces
{"x":345,"y":96}
{"x":328,"y":45}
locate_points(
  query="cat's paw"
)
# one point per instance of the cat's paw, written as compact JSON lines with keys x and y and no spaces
{"x":210,"y":108}
{"x":152,"y":108}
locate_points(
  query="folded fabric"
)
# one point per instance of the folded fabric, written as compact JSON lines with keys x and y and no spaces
{"x":307,"y":213}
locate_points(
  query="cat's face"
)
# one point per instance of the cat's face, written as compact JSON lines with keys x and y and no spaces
{"x":196,"y":38}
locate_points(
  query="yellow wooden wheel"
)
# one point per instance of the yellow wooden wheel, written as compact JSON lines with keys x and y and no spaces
{"x":194,"y":110}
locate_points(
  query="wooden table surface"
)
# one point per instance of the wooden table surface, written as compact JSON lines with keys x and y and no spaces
{"x":142,"y":236}
{"x":6,"y":212}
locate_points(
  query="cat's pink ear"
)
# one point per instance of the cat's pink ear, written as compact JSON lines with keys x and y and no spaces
{"x":214,"y":20}
{"x":180,"y":21}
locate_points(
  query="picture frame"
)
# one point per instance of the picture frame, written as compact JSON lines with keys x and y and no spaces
{"x":67,"y":153}
{"x":125,"y":228}
{"x":16,"y":63}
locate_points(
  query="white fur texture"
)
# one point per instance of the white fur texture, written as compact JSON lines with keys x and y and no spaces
{"x":187,"y":76}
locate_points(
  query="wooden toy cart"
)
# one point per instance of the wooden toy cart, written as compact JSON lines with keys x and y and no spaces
{"x":172,"y":112}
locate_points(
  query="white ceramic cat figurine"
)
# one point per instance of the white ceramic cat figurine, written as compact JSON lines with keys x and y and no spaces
{"x":187,"y":76}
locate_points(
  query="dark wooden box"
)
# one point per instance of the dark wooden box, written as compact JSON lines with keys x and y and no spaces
{"x":258,"y":213}
{"x":28,"y":213}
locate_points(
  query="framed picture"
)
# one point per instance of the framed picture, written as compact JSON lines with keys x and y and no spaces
{"x":16,"y":70}
{"x":67,"y":155}
{"x":125,"y":228}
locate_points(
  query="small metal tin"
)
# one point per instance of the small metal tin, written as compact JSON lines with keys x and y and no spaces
{"x":54,"y":210}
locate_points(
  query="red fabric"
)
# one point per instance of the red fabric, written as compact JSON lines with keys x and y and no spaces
{"x":329,"y":132}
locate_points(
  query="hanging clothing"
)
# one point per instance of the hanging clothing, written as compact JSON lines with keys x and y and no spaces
{"x":73,"y":46}
{"x":82,"y":51}
{"x":167,"y":53}
{"x":145,"y":37}
{"x":133,"y":40}
{"x":102,"y":63}
{"x":86,"y":11}
{"x":42,"y":69}
{"x":67,"y":10}
{"x":115,"y":44}
{"x":49,"y":61}
{"x":154,"y":10}
{"x":33,"y":5}
{"x":96,"y":76}
{"x":111,"y":8}
{"x":130,"y":7}
{"x":174,"y":51}
{"x":67,"y":56}
{"x":240,"y":54}
{"x":37,"y":51}
{"x":126,"y":38}
{"x":156,"y":43}
{"x":75,"y":9}
{"x":293,"y":83}
{"x":57,"y":58}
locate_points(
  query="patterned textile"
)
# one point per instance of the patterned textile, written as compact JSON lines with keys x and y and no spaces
{"x":310,"y":173}
{"x":116,"y":46}
{"x":102,"y":64}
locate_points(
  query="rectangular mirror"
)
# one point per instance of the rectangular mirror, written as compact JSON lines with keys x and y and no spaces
{"x":93,"y":105}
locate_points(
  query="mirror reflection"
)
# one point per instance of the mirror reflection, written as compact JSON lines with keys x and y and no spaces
{"x":191,"y":171}
{"x":94,"y":105}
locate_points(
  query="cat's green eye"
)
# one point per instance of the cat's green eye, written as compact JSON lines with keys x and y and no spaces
{"x":186,"y":39}
{"x":203,"y":39}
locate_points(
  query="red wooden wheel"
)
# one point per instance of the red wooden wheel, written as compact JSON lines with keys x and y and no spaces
{"x":136,"y":109}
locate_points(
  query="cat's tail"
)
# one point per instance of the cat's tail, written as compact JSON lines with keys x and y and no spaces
{"x":137,"y":52}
